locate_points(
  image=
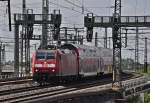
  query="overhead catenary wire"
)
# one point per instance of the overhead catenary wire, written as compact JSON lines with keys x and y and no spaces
{"x":69,"y":8}
{"x":82,"y":7}
{"x":65,"y":7}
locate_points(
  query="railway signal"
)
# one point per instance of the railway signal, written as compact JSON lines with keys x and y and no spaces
{"x":89,"y":35}
{"x":56,"y":19}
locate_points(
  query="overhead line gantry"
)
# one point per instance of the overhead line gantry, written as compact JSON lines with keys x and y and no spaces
{"x":116,"y":22}
{"x":30,"y":20}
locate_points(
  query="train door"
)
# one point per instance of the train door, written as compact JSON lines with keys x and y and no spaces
{"x":60,"y":65}
{"x":102,"y":65}
{"x":99,"y":66}
{"x":58,"y":77}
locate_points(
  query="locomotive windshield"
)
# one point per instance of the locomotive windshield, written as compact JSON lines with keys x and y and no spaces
{"x":40,"y":55}
{"x":50,"y":56}
{"x":45,"y":55}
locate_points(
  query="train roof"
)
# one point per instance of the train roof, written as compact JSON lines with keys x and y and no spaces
{"x":78,"y":46}
{"x":85,"y":50}
{"x":45,"y":50}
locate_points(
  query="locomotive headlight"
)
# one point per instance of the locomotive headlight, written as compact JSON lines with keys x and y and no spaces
{"x":38,"y":65}
{"x":36,"y":70}
{"x":53,"y":70}
{"x":51,"y":65}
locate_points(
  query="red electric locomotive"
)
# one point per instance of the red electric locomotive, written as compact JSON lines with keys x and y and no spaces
{"x":70,"y":61}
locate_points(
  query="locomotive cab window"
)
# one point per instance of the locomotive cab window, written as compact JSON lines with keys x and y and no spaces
{"x":50,"y":56}
{"x":45,"y":55}
{"x":40,"y":55}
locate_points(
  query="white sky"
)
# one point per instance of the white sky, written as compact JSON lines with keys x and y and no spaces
{"x":71,"y":15}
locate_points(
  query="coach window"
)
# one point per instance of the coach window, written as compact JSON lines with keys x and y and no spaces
{"x":84,"y":52}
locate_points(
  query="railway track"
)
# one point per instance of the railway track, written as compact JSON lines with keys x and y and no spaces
{"x":7,"y":85}
{"x":32,"y":93}
{"x":15,"y":80}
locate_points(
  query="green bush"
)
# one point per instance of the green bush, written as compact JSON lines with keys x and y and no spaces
{"x":147,"y":97}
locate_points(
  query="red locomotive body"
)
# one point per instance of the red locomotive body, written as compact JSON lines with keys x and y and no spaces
{"x":52,"y":65}
{"x":70,"y":61}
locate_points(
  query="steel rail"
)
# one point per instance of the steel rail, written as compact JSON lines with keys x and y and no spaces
{"x":42,"y":93}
